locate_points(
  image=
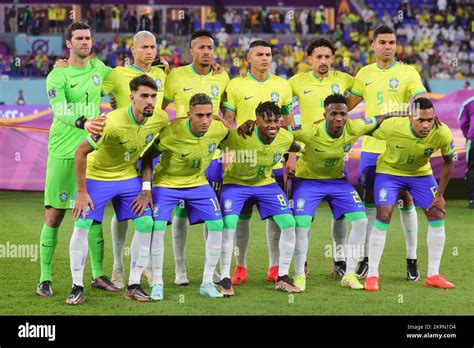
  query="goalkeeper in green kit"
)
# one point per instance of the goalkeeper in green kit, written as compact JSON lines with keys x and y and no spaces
{"x":74,"y":96}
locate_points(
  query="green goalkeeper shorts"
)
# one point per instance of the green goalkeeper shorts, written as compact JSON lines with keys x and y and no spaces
{"x":61,"y":185}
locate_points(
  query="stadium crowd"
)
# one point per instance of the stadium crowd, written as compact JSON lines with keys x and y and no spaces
{"x":436,"y":38}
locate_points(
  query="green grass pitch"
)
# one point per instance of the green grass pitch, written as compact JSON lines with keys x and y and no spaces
{"x":22,"y":218}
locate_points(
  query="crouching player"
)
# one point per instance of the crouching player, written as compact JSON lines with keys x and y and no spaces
{"x":180,"y":176}
{"x":110,"y":174}
{"x":249,"y":180}
{"x":405,"y":165}
{"x":320,"y":175}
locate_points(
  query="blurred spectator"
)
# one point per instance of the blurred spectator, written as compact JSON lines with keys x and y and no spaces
{"x":211,"y":18}
{"x":12,"y":18}
{"x":343,"y":7}
{"x":319,"y":19}
{"x":156,"y":21}
{"x":466,"y":121}
{"x":222,"y":36}
{"x":228,"y":20}
{"x":29,"y":62}
{"x":52,"y":16}
{"x":100,"y":19}
{"x":25,"y":20}
{"x":115,"y":19}
{"x":20,"y":99}
{"x":61,"y":18}
{"x":467,"y":85}
{"x":304,"y":22}
{"x":145,"y":22}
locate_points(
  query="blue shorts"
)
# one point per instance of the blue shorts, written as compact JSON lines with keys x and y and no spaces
{"x":279,"y":178}
{"x":367,"y":164}
{"x":270,"y":199}
{"x":200,"y":203}
{"x":422,"y":189}
{"x":122,"y":193}
{"x":214,"y":175}
{"x":340,"y":194}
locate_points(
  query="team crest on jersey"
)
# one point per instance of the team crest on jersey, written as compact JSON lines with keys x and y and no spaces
{"x":156,"y":209}
{"x":383,"y":195}
{"x":215,"y":91}
{"x":149,"y":138}
{"x":51,"y":93}
{"x":63,"y":197}
{"x":300,"y":204}
{"x":335,"y":88}
{"x":277,"y":158}
{"x":228,"y":204}
{"x":275,"y":97}
{"x":368,"y":121}
{"x":96,"y":79}
{"x":393,"y":83}
{"x":428,"y":151}
{"x":347,"y":147}
{"x":212,"y":147}
{"x":159,"y":84}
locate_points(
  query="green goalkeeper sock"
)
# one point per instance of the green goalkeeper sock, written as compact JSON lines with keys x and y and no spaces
{"x":48,"y":241}
{"x":96,"y":250}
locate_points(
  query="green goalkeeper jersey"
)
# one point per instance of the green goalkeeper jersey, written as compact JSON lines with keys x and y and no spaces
{"x":73,"y":92}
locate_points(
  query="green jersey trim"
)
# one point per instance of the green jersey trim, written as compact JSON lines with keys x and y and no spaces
{"x":94,"y":146}
{"x":355,"y":93}
{"x":326,"y":131}
{"x":390,"y":67}
{"x":188,"y":126}
{"x":227,"y":106}
{"x":253,"y":77}
{"x":194,"y":71}
{"x":260,"y":140}
{"x":130,"y":113}
{"x":137,"y":69}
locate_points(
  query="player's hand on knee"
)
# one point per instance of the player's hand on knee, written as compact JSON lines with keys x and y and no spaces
{"x":246,"y":128}
{"x":113,"y":103}
{"x":82,"y":205}
{"x":140,"y":203}
{"x":438,"y":204}
{"x":96,"y":125}
{"x":61,"y":63}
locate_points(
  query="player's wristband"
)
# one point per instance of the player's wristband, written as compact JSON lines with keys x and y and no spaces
{"x":146,"y":186}
{"x":80,"y":122}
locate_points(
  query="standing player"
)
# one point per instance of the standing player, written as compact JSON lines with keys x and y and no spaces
{"x":180,"y":176}
{"x":320,"y":175}
{"x":74,"y":97}
{"x":144,"y":52}
{"x":405,"y":165}
{"x":386,"y":86}
{"x":252,"y":181}
{"x":111,"y":174}
{"x":242,"y":97}
{"x":181,"y":84}
{"x":311,"y":88}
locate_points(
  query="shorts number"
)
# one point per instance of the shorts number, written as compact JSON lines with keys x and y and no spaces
{"x":356,"y":197}
{"x":433,"y":190}
{"x":282,"y":200}
{"x":196,"y":163}
{"x":215,"y":203}
{"x":379,"y":97}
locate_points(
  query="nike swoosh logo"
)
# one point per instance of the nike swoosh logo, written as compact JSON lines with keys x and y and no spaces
{"x":123,"y":142}
{"x":72,"y":86}
{"x":186,"y":89}
{"x":185,"y":154}
{"x":247,"y":98}
{"x":284,"y":208}
{"x":400,"y":147}
{"x":368,"y":83}
{"x":317,"y":150}
{"x":306,"y":92}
